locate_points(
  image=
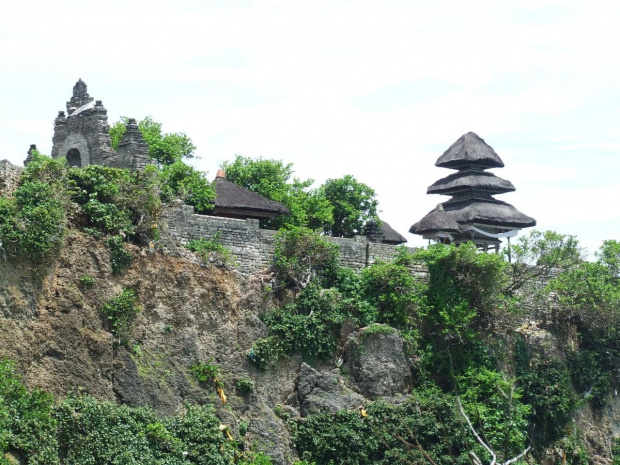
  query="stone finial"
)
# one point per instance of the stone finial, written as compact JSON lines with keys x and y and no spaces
{"x":28,"y":159}
{"x":80,"y":96}
{"x":61,"y":114}
{"x":221,"y":173}
{"x":80,"y":89}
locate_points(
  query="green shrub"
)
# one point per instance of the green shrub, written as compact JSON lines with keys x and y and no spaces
{"x":299,"y":253}
{"x":27,"y":428}
{"x":87,"y":281}
{"x":245,"y":385}
{"x":310,"y":325}
{"x":210,"y":249}
{"x":121,"y":312}
{"x":32,"y":222}
{"x":205,"y":371}
{"x":179,"y":180}
{"x":120,"y":259}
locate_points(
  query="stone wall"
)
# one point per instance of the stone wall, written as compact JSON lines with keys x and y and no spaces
{"x":9,"y":176}
{"x":252,"y":247}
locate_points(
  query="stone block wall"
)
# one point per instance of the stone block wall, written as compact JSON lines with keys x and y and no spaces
{"x":9,"y":177}
{"x":252,"y":247}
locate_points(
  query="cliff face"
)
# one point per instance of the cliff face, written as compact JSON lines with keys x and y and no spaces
{"x":51,"y":325}
{"x":53,"y":328}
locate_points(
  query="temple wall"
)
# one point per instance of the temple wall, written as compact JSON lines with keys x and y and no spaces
{"x":252,"y":247}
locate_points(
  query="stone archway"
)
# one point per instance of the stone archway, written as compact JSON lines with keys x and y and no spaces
{"x":74,"y":158}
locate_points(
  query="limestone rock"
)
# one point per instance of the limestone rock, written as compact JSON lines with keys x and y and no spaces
{"x":324,"y":392}
{"x":375,"y":358}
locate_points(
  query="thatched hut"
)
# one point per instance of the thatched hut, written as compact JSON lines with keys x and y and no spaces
{"x":233,"y":201}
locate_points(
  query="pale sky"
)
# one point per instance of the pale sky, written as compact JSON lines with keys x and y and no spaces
{"x":376,"y":89}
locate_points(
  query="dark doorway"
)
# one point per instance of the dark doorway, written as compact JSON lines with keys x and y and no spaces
{"x":73,"y":158}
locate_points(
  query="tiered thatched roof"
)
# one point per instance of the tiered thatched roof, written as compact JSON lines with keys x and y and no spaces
{"x":472,"y":213}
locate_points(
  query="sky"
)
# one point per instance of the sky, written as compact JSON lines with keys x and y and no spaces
{"x":378,"y":90}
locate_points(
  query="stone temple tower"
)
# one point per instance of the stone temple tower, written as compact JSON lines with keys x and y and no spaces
{"x":82,"y":134}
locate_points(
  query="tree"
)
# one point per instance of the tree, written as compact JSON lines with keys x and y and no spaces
{"x":538,"y":253}
{"x":273,"y":179}
{"x":353,"y":204}
{"x":166,"y":148}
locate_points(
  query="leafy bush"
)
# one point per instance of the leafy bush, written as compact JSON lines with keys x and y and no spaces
{"x":120,"y":259}
{"x":210,"y":249}
{"x":205,"y":371}
{"x":179,"y":180}
{"x":245,"y":385}
{"x":310,"y":325}
{"x":32,"y":222}
{"x":300,"y":252}
{"x":27,"y":428}
{"x":87,"y":281}
{"x":121,"y":311}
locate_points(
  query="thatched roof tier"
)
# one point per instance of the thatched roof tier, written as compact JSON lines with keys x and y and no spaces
{"x":390,"y":235}
{"x":471,"y":179}
{"x":470,"y":150}
{"x":486,"y":211}
{"x":435,"y":221}
{"x":233,"y":199}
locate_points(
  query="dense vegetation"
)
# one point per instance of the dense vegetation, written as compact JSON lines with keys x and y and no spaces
{"x":81,"y":430}
{"x":474,"y":375}
{"x":450,"y":322}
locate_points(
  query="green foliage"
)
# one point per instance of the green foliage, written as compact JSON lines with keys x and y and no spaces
{"x":310,"y":325}
{"x":93,"y":432}
{"x":397,"y":296}
{"x":121,"y":311}
{"x":589,"y":376}
{"x":426,"y":425}
{"x":27,"y":428}
{"x":32,"y":222}
{"x":493,"y":404}
{"x":273,"y":179}
{"x":120,"y":259}
{"x":537,"y":253}
{"x":609,"y":257}
{"x":547,"y":389}
{"x":245,"y":385}
{"x":87,"y":281}
{"x":166,"y":148}
{"x":300,"y":252}
{"x":205,"y":371}
{"x":113,"y":200}
{"x":179,"y":180}
{"x":354,"y":203}
{"x":210,"y":248}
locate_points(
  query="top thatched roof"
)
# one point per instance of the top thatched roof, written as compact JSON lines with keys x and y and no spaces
{"x":230,"y":196}
{"x":469,"y":150}
{"x":435,"y":221}
{"x":390,"y":235}
{"x":488,"y":211}
{"x":471,"y":179}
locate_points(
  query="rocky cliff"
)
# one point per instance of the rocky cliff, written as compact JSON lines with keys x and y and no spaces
{"x":51,"y":325}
